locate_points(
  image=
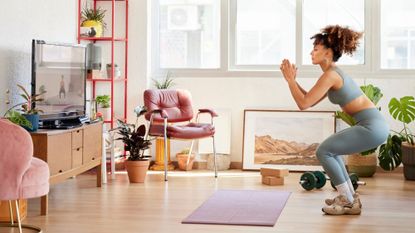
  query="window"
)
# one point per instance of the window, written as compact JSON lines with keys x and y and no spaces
{"x":397,"y":34}
{"x":247,"y":38}
{"x":264,"y":32}
{"x":189,"y":33}
{"x":319,"y":13}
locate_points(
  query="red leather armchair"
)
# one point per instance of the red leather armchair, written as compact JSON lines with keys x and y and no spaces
{"x":167,"y":107}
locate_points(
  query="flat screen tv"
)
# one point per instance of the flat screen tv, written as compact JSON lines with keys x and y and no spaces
{"x":59,"y":70}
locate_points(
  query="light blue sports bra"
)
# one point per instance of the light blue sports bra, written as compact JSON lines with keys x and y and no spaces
{"x":348,"y":92}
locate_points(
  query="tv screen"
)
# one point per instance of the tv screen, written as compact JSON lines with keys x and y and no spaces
{"x":59,"y":70}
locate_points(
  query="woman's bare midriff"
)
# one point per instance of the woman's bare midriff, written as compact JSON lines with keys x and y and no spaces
{"x":357,"y":105}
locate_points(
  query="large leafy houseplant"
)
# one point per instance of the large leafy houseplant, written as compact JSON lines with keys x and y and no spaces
{"x":135,"y":142}
{"x":403,"y":110}
{"x":390,"y":153}
{"x":374,"y":94}
{"x":134,"y":137}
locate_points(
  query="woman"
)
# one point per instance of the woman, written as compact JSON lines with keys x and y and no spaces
{"x":371,"y":129}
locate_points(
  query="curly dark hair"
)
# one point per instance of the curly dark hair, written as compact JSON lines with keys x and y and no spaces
{"x":339,"y":39}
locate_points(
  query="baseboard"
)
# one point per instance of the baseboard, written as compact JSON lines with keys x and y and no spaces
{"x":202,"y":165}
{"x":396,"y":170}
{"x":236,"y":165}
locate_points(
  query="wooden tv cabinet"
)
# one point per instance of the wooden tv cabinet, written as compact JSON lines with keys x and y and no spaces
{"x":68,"y":153}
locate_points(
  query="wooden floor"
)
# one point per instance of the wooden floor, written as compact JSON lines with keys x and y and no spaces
{"x":155,"y":206}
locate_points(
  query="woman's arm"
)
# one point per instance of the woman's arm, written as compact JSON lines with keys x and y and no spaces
{"x":302,"y":90}
{"x":322,"y":98}
{"x":316,"y":93}
{"x":305,"y":93}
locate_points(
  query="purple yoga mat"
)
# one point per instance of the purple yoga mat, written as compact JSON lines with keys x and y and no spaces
{"x":240,"y":207}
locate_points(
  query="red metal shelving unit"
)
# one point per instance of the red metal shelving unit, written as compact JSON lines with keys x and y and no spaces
{"x":112,"y":39}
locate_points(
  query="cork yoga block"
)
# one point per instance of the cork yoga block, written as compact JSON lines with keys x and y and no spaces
{"x":272,"y":180}
{"x":274,"y":172}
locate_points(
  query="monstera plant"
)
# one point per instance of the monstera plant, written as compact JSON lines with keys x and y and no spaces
{"x":403,"y":110}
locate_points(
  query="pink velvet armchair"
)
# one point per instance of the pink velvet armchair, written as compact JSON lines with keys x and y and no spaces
{"x":21,"y":175}
{"x":167,"y":107}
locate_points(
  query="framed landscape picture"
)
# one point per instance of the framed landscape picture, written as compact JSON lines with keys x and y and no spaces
{"x":285,"y":139}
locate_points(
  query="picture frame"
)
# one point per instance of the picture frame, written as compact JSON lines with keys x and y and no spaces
{"x":285,"y":138}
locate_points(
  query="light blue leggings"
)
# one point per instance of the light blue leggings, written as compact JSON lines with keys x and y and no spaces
{"x":370,"y":131}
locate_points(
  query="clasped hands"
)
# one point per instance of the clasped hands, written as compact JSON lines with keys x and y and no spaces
{"x":288,"y":70}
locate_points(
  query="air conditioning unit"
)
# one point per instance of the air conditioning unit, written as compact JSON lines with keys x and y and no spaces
{"x":183,"y":17}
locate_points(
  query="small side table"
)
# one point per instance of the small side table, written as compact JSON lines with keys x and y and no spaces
{"x":159,"y":163}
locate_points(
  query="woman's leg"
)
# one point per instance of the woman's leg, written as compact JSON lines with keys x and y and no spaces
{"x":340,"y":161}
{"x":351,"y":140}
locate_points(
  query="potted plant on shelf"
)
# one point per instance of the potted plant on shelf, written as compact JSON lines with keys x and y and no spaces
{"x":363,"y":164}
{"x":94,"y":20}
{"x":134,"y":138}
{"x":104,"y":107}
{"x":27,"y":116}
{"x":117,"y":71}
{"x":403,"y":110}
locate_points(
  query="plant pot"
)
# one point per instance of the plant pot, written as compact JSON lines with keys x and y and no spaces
{"x":182,"y":161}
{"x":408,"y":160}
{"x":93,"y":24}
{"x":362,"y":165}
{"x":137,"y":170}
{"x":34,"y":119}
{"x":106,"y":113}
{"x":117,"y":72}
{"x":223,"y":162}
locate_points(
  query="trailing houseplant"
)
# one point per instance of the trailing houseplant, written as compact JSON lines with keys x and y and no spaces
{"x":26,"y":110}
{"x":93,"y":19}
{"x":135,"y":143}
{"x":403,"y":110}
{"x":364,"y":163}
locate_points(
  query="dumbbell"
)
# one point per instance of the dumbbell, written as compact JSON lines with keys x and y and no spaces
{"x":317,"y":179}
{"x":311,"y":180}
{"x":354,"y":178}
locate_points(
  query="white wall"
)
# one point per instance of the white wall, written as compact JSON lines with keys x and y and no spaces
{"x":22,"y":21}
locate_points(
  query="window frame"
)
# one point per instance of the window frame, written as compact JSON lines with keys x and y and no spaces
{"x":227,"y":68}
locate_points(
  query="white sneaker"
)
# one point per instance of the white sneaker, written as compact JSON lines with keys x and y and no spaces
{"x":342,"y":206}
{"x":336,"y":199}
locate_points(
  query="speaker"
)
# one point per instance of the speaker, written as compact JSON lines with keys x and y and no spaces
{"x":94,"y":59}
